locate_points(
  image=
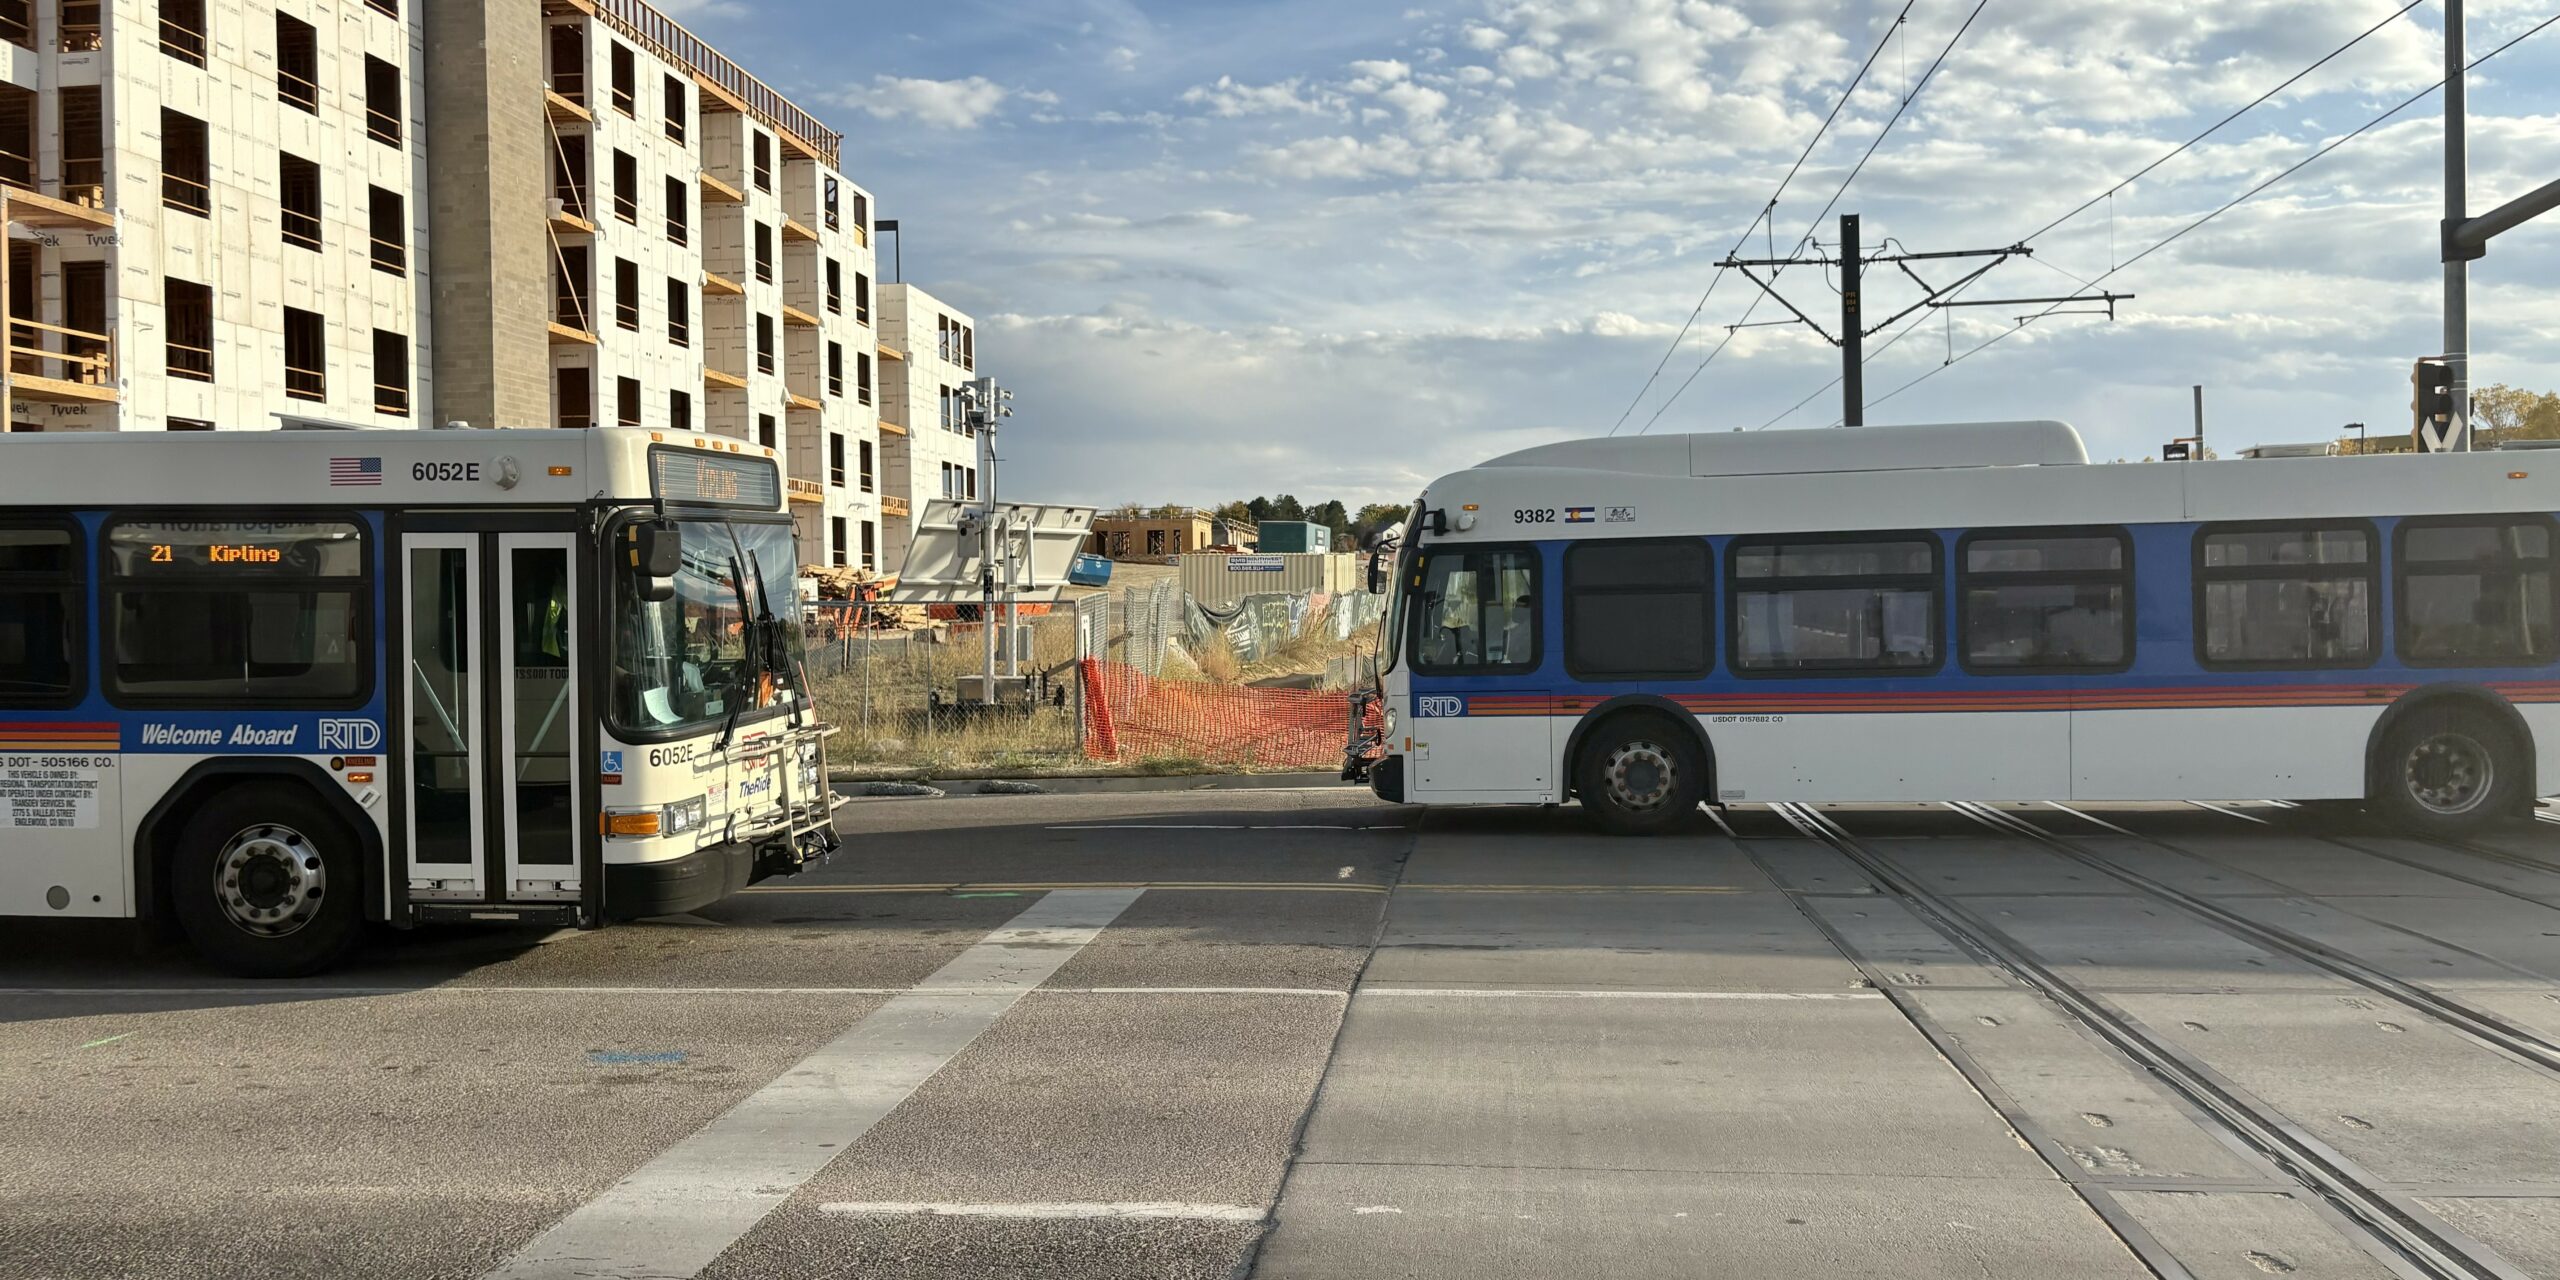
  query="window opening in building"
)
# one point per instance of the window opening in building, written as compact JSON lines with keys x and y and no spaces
{"x":381,"y":101}
{"x":573,"y":396}
{"x":626,"y":80}
{"x":863,"y":452}
{"x":186,"y":178}
{"x":764,"y":344}
{"x":764,"y":254}
{"x":626,"y":401}
{"x":626,"y":187}
{"x":390,"y":373}
{"x":835,"y":368}
{"x":190,"y":338}
{"x":680,"y":411}
{"x":181,"y":30}
{"x":388,"y":217}
{"x":763,"y":162}
{"x":297,"y":63}
{"x":679,"y":212}
{"x":306,"y":355}
{"x":678,"y":110}
{"x":569,"y":287}
{"x":298,"y":191}
{"x":626,"y":294}
{"x":679,"y":313}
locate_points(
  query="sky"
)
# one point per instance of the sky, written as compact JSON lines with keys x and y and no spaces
{"x":1338,"y":248}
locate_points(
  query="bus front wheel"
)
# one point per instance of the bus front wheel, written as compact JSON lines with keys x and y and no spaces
{"x":2449,"y":773}
{"x":264,"y":883}
{"x":1639,"y":775}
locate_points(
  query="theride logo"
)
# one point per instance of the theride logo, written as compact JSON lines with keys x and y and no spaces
{"x":1439,"y":706}
{"x":349,"y":735}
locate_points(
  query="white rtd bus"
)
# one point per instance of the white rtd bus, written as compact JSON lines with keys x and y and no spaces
{"x":274,"y":685}
{"x":1971,"y":612}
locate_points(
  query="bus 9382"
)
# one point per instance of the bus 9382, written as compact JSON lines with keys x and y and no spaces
{"x":1971,"y":612}
{"x":274,"y":685}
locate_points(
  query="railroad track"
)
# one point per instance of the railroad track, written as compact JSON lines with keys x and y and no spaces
{"x":2425,"y":1244}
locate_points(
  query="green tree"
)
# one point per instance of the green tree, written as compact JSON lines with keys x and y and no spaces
{"x":1330,"y":514}
{"x":2514,"y":413}
{"x":1238,"y":510}
{"x":1379,"y":513}
{"x":1259,"y":509}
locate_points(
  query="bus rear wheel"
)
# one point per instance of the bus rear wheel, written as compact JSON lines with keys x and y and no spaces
{"x":2449,"y":773}
{"x":264,"y":883}
{"x":1640,"y":775}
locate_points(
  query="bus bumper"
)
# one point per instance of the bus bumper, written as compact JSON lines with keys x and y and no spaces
{"x":636,"y":889}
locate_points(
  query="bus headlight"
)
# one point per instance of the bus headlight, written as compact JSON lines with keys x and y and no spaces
{"x":665,"y":820}
{"x":682,"y":816}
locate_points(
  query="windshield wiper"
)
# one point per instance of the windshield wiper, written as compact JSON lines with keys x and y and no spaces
{"x":738,"y":702}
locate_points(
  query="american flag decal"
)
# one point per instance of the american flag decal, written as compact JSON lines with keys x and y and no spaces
{"x":347,"y":471}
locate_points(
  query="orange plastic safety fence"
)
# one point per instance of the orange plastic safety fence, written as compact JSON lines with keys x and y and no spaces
{"x":1133,"y":716}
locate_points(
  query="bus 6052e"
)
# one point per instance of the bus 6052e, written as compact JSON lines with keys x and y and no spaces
{"x":278,"y":684}
{"x":1971,"y":612}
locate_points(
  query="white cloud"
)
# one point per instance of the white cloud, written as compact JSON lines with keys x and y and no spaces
{"x":942,"y":104}
{"x":1121,"y":58}
{"x":1229,"y":99}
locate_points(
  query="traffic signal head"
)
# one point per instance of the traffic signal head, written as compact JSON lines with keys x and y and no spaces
{"x":2430,"y":393}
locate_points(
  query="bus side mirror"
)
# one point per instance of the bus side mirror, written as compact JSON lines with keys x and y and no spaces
{"x":1377,"y":573}
{"x":656,"y":552}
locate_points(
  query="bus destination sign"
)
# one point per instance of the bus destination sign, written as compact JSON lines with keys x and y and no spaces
{"x":716,"y":480}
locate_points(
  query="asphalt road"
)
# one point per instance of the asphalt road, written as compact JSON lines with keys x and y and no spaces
{"x":1292,"y":1033}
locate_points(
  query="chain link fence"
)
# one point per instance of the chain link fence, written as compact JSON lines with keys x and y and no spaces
{"x":905,"y":699}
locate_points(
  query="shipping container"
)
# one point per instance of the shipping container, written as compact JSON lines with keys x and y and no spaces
{"x":1220,"y":580}
{"x":1295,"y":536}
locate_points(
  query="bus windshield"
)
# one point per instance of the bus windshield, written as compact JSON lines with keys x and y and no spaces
{"x":686,"y":662}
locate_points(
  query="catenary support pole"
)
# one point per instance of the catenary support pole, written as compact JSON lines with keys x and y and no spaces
{"x":1853,"y":347}
{"x":2457,"y":270}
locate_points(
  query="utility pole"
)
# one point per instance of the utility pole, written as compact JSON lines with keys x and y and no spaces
{"x":1853,"y":261}
{"x":2466,"y":238}
{"x":983,"y":406}
{"x":1853,"y":341}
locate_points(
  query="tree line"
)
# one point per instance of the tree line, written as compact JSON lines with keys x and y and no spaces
{"x":1331,"y":513}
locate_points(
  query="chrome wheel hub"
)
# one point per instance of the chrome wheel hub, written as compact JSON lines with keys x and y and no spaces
{"x":2450,"y":773}
{"x":269,"y":880}
{"x":1641,"y":775}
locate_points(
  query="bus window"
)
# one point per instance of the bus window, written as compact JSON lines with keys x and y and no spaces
{"x":2285,"y":596}
{"x":2475,"y":593}
{"x":237,"y":613}
{"x":39,"y":617}
{"x":2046,"y":601}
{"x":683,"y":663}
{"x":1811,"y":605}
{"x":1637,"y":609}
{"x":1478,"y":612}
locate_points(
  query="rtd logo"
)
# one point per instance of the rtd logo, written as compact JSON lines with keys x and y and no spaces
{"x":1439,"y":706}
{"x":349,"y":735}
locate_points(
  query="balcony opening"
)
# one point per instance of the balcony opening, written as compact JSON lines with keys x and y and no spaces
{"x":186,"y":179}
{"x":679,"y":212}
{"x":297,"y":63}
{"x":390,"y":231}
{"x":80,"y":27}
{"x":569,"y":63}
{"x":84,"y":133}
{"x":626,"y":294}
{"x":679,"y":314}
{"x":89,"y":350}
{"x":306,"y":355}
{"x":25,"y":345}
{"x":626,"y":80}
{"x":626,"y":402}
{"x":381,"y":101}
{"x":569,"y":175}
{"x":626,"y":187}
{"x":298,"y":194}
{"x":18,"y":137}
{"x":189,"y":309}
{"x":390,"y":373}
{"x":182,"y":30}
{"x":573,"y":396}
{"x":764,"y":254}
{"x":569,"y":287}
{"x":679,"y":109}
{"x":764,"y":344}
{"x":764,"y":162}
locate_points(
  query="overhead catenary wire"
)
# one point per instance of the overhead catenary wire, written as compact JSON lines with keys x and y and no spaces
{"x":1827,"y":206}
{"x":1766,"y":210}
{"x":2174,"y":236}
{"x":2108,"y":195}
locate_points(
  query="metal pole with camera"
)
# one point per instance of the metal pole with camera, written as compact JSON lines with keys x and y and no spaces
{"x":985,"y":406}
